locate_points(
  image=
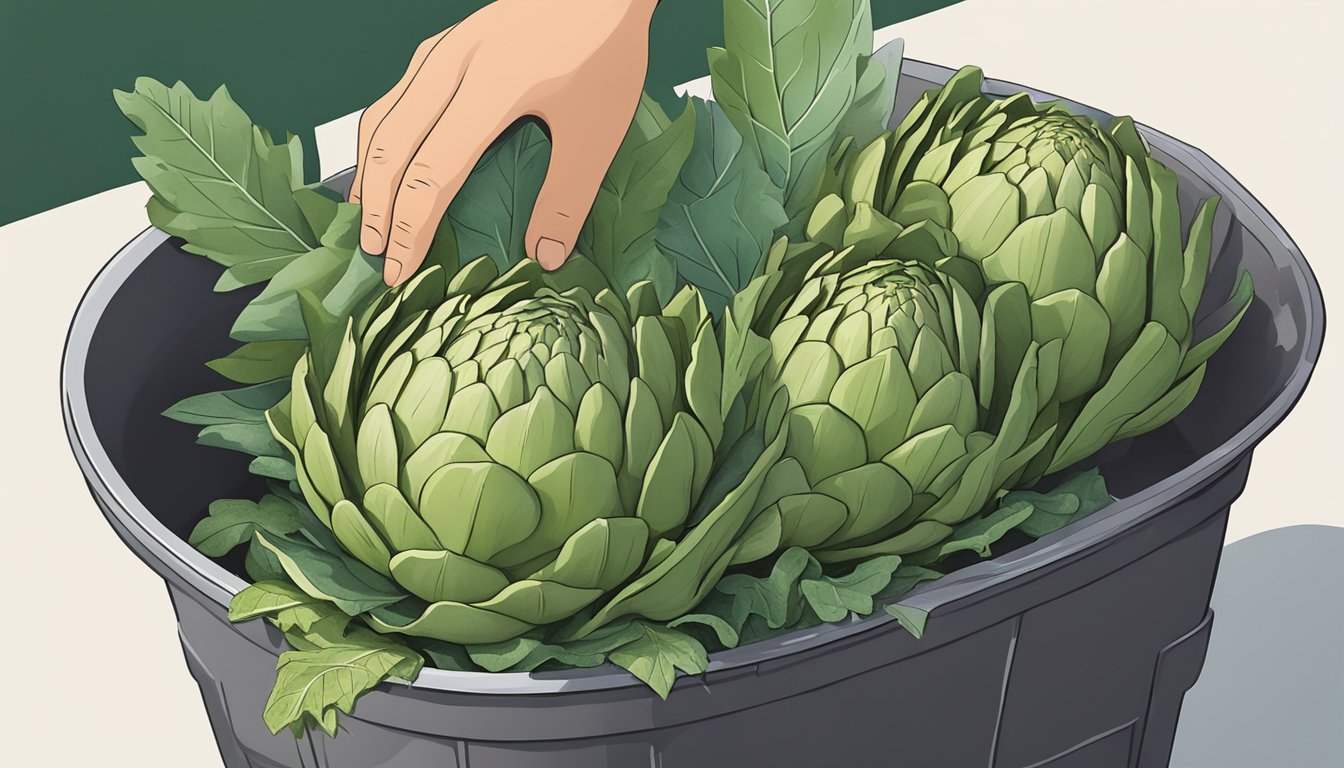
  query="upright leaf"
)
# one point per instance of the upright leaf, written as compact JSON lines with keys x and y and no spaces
{"x":619,"y":235}
{"x":786,"y":77}
{"x":874,"y":96}
{"x":490,"y":213}
{"x":721,"y":214}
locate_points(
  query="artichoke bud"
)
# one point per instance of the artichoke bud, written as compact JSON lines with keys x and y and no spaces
{"x":1005,"y":191}
{"x":509,"y":449}
{"x":881,"y":361}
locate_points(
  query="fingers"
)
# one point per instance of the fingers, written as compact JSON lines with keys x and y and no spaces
{"x":434,"y":177}
{"x":373,"y":116}
{"x":580,"y":156}
{"x":398,"y":137}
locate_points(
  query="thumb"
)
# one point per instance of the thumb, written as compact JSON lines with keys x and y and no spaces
{"x":566,"y":197}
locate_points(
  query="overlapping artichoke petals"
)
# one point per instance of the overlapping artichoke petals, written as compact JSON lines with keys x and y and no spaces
{"x":996,"y":192}
{"x":512,"y":453}
{"x":888,"y":445}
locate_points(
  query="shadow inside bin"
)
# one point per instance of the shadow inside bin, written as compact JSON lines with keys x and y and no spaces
{"x":1272,"y":689}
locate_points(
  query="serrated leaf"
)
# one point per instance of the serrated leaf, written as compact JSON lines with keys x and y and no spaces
{"x":656,"y":653}
{"x":721,"y":214}
{"x":491,"y":212}
{"x":833,"y":598}
{"x":265,"y":598}
{"x":773,"y":598}
{"x":317,"y":683}
{"x":233,"y":521}
{"x":786,"y":77}
{"x":219,"y":181}
{"x":619,"y":234}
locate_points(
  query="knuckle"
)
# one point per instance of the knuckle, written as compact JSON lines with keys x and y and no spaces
{"x":369,"y":120}
{"x":421,"y":180}
{"x":379,"y":155}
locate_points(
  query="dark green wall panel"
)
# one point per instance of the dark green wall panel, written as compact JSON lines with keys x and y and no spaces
{"x":292,"y":64}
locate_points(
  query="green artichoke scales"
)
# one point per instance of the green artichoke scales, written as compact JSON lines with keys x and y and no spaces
{"x":1007,"y":192}
{"x":889,"y":368}
{"x":508,"y":451}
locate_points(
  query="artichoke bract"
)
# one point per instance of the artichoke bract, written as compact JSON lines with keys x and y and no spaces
{"x":997,"y":192}
{"x":498,"y":453}
{"x":889,"y":367}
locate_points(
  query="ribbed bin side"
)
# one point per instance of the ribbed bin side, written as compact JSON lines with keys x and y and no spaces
{"x":1090,"y":677}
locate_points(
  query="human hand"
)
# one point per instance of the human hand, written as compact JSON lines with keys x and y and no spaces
{"x":580,"y":71}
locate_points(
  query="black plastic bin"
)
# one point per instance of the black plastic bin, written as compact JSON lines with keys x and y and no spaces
{"x":1073,"y":651}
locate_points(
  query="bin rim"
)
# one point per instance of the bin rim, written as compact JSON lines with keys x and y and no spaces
{"x":183,"y":565}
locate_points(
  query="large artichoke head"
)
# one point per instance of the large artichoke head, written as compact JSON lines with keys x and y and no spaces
{"x":891,"y":373}
{"x":507,"y":451}
{"x":1007,"y":191}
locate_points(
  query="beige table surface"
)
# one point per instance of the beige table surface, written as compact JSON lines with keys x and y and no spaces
{"x":92,"y":670}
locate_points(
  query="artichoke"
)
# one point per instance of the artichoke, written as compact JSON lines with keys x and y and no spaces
{"x":890,"y":368}
{"x":997,"y":192}
{"x":499,"y":453}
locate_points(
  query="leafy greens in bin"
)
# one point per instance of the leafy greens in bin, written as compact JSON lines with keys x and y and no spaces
{"x":794,"y":366}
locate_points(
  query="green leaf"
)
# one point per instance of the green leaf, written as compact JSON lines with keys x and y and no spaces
{"x":274,"y":315}
{"x":245,"y":405}
{"x":786,"y":77}
{"x":265,"y":598}
{"x":1071,"y":500}
{"x":316,"y":683}
{"x":619,"y":234}
{"x":329,"y":575}
{"x":913,"y":619}
{"x":977,"y":534}
{"x":656,"y":654}
{"x":1140,"y":378}
{"x":906,"y":578}
{"x":219,"y":181}
{"x":1237,"y":304}
{"x":491,"y":212}
{"x":245,"y":437}
{"x":233,"y":521}
{"x":524,"y":654}
{"x":273,"y":467}
{"x":260,"y":361}
{"x":874,"y":94}
{"x":833,"y":598}
{"x":721,"y":214}
{"x":441,"y":655}
{"x":261,"y":565}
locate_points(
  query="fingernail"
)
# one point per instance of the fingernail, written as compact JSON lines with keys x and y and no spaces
{"x":391,"y":272}
{"x":371,"y":240}
{"x":551,"y":253}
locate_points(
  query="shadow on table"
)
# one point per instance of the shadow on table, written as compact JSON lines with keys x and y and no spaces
{"x":1272,"y":689}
